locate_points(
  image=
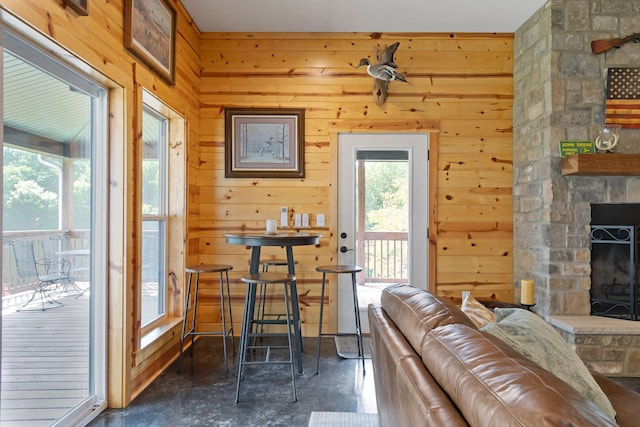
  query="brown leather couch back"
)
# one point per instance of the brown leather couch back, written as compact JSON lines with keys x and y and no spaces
{"x":432,"y":367}
{"x":493,"y":385}
{"x":406,"y":393}
{"x":416,"y":312}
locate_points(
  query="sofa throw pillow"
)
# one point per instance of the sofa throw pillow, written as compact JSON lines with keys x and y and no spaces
{"x":478,"y":313}
{"x":535,"y":339}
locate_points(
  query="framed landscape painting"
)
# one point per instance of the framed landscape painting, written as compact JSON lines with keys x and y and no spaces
{"x":264,"y":143}
{"x":150,"y":33}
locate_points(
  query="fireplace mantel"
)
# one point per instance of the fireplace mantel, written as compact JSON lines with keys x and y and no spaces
{"x":601,"y":164}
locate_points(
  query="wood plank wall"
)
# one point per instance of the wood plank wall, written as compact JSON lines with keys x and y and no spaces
{"x":461,"y":82}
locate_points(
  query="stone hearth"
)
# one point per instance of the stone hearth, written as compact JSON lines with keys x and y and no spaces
{"x":606,"y":345}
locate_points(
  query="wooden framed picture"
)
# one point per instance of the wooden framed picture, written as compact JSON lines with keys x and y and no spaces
{"x":264,"y":143}
{"x":150,"y":33}
{"x":79,"y":6}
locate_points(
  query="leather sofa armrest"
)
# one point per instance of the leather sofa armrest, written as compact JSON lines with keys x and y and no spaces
{"x":624,"y":400}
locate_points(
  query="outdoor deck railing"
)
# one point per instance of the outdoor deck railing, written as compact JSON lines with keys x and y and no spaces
{"x":383,"y":256}
{"x":65,"y":239}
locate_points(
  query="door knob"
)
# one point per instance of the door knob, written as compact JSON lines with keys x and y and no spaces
{"x":344,"y":249}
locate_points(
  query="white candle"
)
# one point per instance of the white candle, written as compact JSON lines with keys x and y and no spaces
{"x":527,"y":292}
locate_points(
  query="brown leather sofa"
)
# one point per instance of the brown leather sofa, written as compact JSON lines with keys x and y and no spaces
{"x":433,"y":367}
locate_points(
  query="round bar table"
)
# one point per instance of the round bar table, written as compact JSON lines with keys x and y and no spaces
{"x":287,"y":240}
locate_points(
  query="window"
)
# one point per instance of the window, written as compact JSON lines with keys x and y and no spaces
{"x":162,"y":166}
{"x":154,"y":214}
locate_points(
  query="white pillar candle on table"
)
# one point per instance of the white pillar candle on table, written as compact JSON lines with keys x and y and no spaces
{"x":527,"y":292}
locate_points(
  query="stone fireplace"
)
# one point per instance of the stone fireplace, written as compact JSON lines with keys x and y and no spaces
{"x":613,"y":240}
{"x":559,"y":94}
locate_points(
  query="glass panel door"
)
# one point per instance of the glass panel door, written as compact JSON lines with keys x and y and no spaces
{"x":382,"y":216}
{"x":54,"y":204}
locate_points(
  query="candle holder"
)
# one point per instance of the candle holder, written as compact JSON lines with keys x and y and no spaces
{"x":527,"y":306}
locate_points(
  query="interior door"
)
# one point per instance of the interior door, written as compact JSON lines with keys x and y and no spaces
{"x":372,"y":201}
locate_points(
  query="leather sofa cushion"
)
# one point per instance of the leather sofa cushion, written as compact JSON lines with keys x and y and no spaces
{"x":406,"y":394}
{"x":492,"y":384}
{"x":416,"y":312}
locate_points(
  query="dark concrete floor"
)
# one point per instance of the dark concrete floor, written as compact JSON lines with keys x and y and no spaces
{"x":203,"y":395}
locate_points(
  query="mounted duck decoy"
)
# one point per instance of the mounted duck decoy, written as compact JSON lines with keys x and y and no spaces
{"x":384,"y":71}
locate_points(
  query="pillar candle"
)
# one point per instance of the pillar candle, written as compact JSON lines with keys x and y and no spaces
{"x":527,"y":292}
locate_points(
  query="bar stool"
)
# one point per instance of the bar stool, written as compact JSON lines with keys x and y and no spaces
{"x":248,"y":320}
{"x":197,"y":270}
{"x":262,"y":291}
{"x":341,"y":269}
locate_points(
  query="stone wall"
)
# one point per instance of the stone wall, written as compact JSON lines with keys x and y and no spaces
{"x":559,"y":94}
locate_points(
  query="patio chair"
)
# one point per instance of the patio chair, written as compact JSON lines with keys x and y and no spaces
{"x":53,"y":263}
{"x":30,"y":268}
{"x":57,"y":264}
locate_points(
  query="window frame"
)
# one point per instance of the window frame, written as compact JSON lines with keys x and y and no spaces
{"x":175,"y":230}
{"x":161,"y":217}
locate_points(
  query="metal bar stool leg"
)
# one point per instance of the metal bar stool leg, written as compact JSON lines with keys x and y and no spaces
{"x":261,"y":302}
{"x":224,"y":324}
{"x":295,"y":304}
{"x":244,"y":338}
{"x":320,"y":323}
{"x":233,"y":339}
{"x":358,"y":324}
{"x":184,"y":322}
{"x":195,"y":314}
{"x":290,"y":340}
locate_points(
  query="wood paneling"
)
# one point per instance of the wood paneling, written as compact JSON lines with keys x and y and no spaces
{"x":461,"y":90}
{"x":460,"y":83}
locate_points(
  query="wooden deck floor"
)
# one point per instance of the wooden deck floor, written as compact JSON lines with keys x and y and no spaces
{"x":45,"y":363}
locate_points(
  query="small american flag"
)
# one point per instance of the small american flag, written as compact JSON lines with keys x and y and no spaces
{"x":623,"y":97}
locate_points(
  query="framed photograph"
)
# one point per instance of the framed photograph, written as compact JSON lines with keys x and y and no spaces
{"x":80,"y":6}
{"x":264,"y":143}
{"x":150,"y":33}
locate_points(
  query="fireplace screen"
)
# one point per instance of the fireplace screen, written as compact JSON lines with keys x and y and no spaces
{"x":613,"y":271}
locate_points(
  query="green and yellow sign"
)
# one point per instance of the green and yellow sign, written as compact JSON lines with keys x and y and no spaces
{"x":568,"y":148}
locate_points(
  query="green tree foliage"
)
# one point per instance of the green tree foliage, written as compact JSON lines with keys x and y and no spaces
{"x":151,"y":187}
{"x":30,"y":192}
{"x":387,"y":207}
